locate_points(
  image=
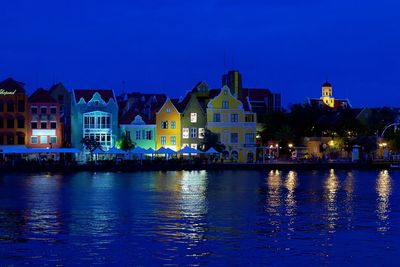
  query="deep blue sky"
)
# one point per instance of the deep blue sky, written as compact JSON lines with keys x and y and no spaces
{"x":288,"y":46}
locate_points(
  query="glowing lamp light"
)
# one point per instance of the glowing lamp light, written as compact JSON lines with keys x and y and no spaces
{"x":331,"y":143}
{"x":290,"y":145}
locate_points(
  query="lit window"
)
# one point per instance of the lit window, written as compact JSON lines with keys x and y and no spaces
{"x":225,"y":104}
{"x":168,"y":110}
{"x":173,"y":140}
{"x":234,"y":138}
{"x":138,"y":135}
{"x":193,"y":117}
{"x":34,"y":139}
{"x":164,"y":125}
{"x":53,"y":139}
{"x":201,"y":132}
{"x":43,"y":139}
{"x":193,"y":146}
{"x":185,"y":133}
{"x":163,"y":140}
{"x":173,"y":124}
{"x":193,"y":132}
{"x":185,"y":145}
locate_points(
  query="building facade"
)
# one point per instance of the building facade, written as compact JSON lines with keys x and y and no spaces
{"x":94,"y":115}
{"x":168,"y":121}
{"x":235,"y":125}
{"x":13,"y":113}
{"x":63,"y":98}
{"x":45,"y":129}
{"x":142,"y":132}
{"x":193,"y":121}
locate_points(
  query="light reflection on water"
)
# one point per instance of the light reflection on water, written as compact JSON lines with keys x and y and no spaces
{"x":200,"y":218}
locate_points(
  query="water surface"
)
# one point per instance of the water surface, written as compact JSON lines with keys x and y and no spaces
{"x":201,"y":218}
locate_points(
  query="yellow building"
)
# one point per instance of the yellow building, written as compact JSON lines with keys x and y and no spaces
{"x":235,"y":125}
{"x":168,"y":130}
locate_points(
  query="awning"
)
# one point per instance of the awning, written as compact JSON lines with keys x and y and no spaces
{"x":189,"y":150}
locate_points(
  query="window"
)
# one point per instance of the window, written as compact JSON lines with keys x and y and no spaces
{"x":173,"y":140}
{"x":168,"y":110}
{"x":43,"y":125}
{"x":138,"y":135}
{"x":193,"y":132}
{"x":43,"y":110}
{"x":173,"y":124}
{"x":128,"y":135}
{"x":149,"y":135}
{"x":225,"y":92}
{"x":163,"y":140}
{"x":184,"y":145}
{"x":34,"y":125}
{"x":53,"y":125}
{"x":1,"y":106}
{"x":10,"y":140}
{"x":193,"y":146}
{"x":10,"y":123}
{"x":164,"y":125}
{"x":225,"y":104}
{"x":97,"y":120}
{"x":20,"y":140}
{"x":34,"y":140}
{"x":34,"y":110}
{"x":185,"y":133}
{"x":10,"y":107}
{"x":201,"y":132}
{"x":1,"y":123}
{"x":193,"y":117}
{"x":234,"y":117}
{"x":53,"y":110}
{"x":43,"y":139}
{"x":21,"y":123}
{"x":103,"y":138}
{"x":249,"y":138}
{"x":217,"y":117}
{"x":53,"y":139}
{"x":234,"y":138}
{"x":21,"y":106}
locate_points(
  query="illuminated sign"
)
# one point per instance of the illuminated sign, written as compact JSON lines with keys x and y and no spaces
{"x":4,"y":92}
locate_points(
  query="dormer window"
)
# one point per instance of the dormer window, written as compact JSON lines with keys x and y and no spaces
{"x":96,"y":103}
{"x":168,"y":110}
{"x":225,"y":92}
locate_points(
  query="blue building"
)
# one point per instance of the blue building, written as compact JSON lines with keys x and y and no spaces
{"x":94,"y":115}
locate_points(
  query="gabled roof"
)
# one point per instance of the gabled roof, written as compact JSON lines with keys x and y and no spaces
{"x":57,"y":86}
{"x":10,"y":84}
{"x":87,"y":94}
{"x":41,"y":96}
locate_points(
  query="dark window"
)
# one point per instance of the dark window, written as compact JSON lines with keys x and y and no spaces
{"x":53,"y":125}
{"x":53,"y":110}
{"x":34,"y":110}
{"x":10,"y":107}
{"x":164,"y":125}
{"x":21,"y":123}
{"x":34,"y":125}
{"x":10,"y":140}
{"x":21,"y":140}
{"x":43,"y":110}
{"x":21,"y":106}
{"x":1,"y":106}
{"x":43,"y":125}
{"x":10,"y":123}
{"x":60,"y":98}
{"x":1,"y":140}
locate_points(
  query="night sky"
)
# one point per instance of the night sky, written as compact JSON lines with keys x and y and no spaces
{"x":288,"y":46}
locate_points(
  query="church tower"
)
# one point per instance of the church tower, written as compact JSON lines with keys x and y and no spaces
{"x":327,"y":95}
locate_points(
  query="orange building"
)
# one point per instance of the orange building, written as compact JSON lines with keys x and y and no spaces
{"x":13,"y":113}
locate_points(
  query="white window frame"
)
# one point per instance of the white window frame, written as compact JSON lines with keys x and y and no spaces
{"x":185,"y":133}
{"x":193,"y":117}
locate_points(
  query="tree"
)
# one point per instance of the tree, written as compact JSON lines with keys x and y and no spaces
{"x":211,"y":139}
{"x":124,"y":143}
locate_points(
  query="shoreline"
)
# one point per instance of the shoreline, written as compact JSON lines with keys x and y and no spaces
{"x":164,"y":166}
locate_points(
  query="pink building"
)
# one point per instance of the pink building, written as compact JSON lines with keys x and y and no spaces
{"x":45,"y":129}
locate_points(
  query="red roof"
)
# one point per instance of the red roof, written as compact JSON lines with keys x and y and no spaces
{"x":41,"y":96}
{"x":10,"y":84}
{"x":87,"y":94}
